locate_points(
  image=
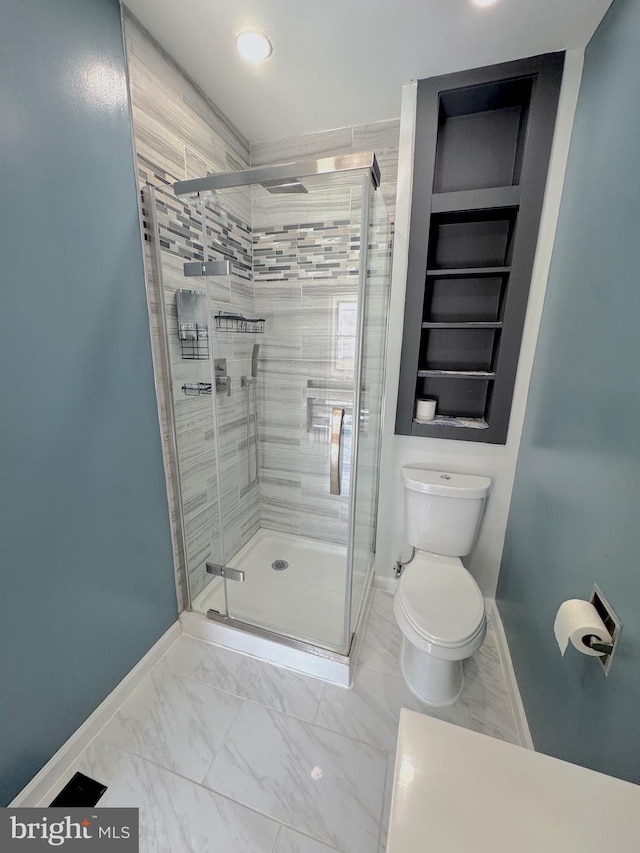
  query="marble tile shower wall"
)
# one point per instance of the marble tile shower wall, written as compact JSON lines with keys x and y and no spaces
{"x":306,"y":250}
{"x":294,"y":286}
{"x":180,"y":229}
{"x":180,"y":134}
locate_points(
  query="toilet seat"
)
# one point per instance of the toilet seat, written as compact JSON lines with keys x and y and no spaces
{"x":439,"y":607}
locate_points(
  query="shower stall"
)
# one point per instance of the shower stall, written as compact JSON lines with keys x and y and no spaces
{"x":272,"y":296}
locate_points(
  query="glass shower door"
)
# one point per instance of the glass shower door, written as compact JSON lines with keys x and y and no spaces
{"x":285,"y":488}
{"x":375,"y":304}
{"x":275,"y":454}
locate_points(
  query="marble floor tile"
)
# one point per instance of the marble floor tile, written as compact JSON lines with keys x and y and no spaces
{"x":290,"y":841}
{"x":176,"y":815}
{"x":247,"y":677}
{"x":315,"y":781}
{"x":370,"y":710}
{"x":174,"y":722}
{"x":274,"y":746}
{"x":382,"y":638}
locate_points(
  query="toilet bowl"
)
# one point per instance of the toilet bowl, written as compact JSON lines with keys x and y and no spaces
{"x":440,"y":610}
{"x":438,"y":605}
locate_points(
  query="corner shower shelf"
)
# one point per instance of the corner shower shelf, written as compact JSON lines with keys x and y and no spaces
{"x":238,"y":323}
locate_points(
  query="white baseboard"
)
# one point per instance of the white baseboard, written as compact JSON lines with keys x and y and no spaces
{"x":384,"y":583}
{"x":33,"y":793}
{"x":512,"y":684}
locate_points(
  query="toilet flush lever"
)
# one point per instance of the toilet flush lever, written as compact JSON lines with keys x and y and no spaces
{"x":400,"y":564}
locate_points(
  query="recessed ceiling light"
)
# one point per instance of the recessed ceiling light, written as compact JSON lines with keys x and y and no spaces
{"x":253,"y":46}
{"x":484,"y":2}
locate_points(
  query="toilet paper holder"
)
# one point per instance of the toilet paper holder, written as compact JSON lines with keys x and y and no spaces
{"x":594,"y":643}
{"x":613,"y":624}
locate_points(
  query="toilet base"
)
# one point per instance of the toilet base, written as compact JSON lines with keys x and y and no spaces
{"x":434,"y":681}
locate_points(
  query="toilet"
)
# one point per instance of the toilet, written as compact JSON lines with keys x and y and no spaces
{"x":438,"y":605}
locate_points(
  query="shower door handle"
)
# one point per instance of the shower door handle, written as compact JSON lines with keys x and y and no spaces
{"x":335,"y":454}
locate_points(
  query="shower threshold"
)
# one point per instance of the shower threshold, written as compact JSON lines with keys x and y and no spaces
{"x":288,"y":642}
{"x":294,"y":617}
{"x":305,"y":601}
{"x":265,"y":645}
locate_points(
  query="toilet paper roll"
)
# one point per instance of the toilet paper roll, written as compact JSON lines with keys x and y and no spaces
{"x":426,"y":410}
{"x":575,"y":620}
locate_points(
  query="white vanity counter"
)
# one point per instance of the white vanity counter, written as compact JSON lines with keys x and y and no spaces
{"x":457,"y":791}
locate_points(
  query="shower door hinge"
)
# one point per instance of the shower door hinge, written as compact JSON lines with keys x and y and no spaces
{"x":225,"y":572}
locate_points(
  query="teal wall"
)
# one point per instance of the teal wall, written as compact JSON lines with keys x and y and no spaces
{"x":575,"y":515}
{"x":85,"y":551}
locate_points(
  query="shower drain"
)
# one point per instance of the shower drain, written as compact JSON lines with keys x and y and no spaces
{"x":279,"y":565}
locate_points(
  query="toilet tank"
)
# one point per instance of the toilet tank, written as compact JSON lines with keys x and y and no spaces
{"x":443,"y":510}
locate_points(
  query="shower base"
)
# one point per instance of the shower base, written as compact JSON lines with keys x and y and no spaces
{"x":305,"y":601}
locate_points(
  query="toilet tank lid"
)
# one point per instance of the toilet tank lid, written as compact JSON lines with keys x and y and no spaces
{"x":445,"y":483}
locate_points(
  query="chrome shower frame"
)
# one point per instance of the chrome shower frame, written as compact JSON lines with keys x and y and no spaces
{"x":362,"y":162}
{"x":296,"y":169}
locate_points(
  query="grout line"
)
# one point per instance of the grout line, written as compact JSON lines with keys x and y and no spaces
{"x":284,"y":825}
{"x":315,"y":716}
{"x":369,"y":668}
{"x":213,"y":791}
{"x":151,"y":761}
{"x":277,"y":838}
{"x":322,"y":728}
{"x":326,"y":728}
{"x":224,"y":741}
{"x":245,"y":698}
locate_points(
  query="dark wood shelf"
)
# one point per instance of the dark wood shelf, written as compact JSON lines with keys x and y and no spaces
{"x":457,"y":374}
{"x":482,"y":199}
{"x":464,"y":324}
{"x":470,"y":271}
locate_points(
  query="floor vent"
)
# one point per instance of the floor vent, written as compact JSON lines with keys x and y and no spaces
{"x":79,"y":791}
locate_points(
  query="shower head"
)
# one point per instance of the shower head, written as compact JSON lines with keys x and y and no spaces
{"x":254,"y":360}
{"x":282,"y":186}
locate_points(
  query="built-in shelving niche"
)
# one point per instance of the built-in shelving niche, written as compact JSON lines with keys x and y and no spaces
{"x":481,"y":136}
{"x":468,"y":282}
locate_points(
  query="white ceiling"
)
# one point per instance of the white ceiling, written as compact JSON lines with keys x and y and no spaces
{"x":343,"y":62}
